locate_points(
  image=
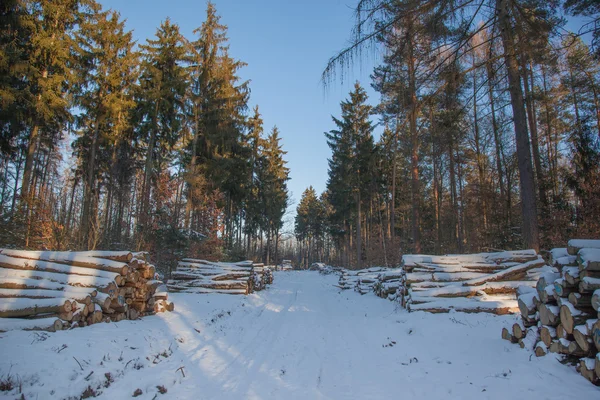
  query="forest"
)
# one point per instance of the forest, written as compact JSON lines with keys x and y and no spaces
{"x":491,"y":138}
{"x":489,"y":112}
{"x":110,"y":144}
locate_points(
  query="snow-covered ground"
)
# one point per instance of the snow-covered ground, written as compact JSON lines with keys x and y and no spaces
{"x":300,"y":339}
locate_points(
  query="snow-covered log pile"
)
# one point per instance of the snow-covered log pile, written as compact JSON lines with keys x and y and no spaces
{"x":324,"y":268}
{"x":53,"y":290}
{"x":391,"y":284}
{"x":482,"y":282}
{"x":362,"y":280}
{"x":261,"y":276}
{"x":201,"y":276}
{"x":561,"y":315}
{"x":286,"y":265}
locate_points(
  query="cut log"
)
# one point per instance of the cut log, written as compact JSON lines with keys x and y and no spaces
{"x":570,"y":317}
{"x":589,"y":259}
{"x":530,"y":339}
{"x":547,"y":334}
{"x":587,"y":368}
{"x":25,"y":264}
{"x":508,"y":274}
{"x":549,"y":315}
{"x":73,"y":280}
{"x":571,"y":275}
{"x":545,"y":280}
{"x":524,"y":288}
{"x":457,"y":290}
{"x":580,"y":301}
{"x":563,"y":346}
{"x":541,"y":349}
{"x":588,"y":285}
{"x":467,"y":306}
{"x":50,"y":324}
{"x":518,"y":330}
{"x":530,"y":320}
{"x":546,"y":295}
{"x":577,"y":244}
{"x":596,"y":300}
{"x":21,"y":307}
{"x":562,"y":288}
{"x":45,"y":294}
{"x":78,"y":259}
{"x":526,"y":302}
{"x":582,"y":336}
{"x":121,"y":256}
{"x":596,"y":334}
{"x":562,"y":334}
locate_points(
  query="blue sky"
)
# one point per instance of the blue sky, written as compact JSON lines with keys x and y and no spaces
{"x":286,"y":45}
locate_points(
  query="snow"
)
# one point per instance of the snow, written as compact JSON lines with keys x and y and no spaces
{"x":302,"y":338}
{"x":559,"y":252}
{"x":567,"y":260}
{"x":589,"y":255}
{"x":10,"y":324}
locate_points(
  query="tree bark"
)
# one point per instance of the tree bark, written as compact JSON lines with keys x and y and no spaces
{"x":530,"y":227}
{"x":415,"y":184}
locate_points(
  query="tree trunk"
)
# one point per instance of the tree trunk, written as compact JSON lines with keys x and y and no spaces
{"x":358,"y":232}
{"x":415,"y":184}
{"x":479,"y":156}
{"x":497,"y":140}
{"x":528,"y":201}
{"x":535,"y":146}
{"x":89,"y":190}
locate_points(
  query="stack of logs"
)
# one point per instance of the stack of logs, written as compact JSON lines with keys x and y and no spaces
{"x":390,"y":285}
{"x":362,"y":281}
{"x":46,"y":290}
{"x":484,"y":282}
{"x":201,"y":276}
{"x":561,"y":315}
{"x":286,"y":265}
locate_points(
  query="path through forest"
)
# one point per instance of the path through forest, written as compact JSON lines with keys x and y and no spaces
{"x":302,"y":338}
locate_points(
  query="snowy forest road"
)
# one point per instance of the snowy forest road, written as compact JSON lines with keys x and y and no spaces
{"x":305,"y":339}
{"x":301,"y":338}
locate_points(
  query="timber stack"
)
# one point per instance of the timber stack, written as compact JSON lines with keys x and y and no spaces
{"x":482,"y":282}
{"x":362,"y":281}
{"x":561,"y":315}
{"x":286,"y":265}
{"x":205,"y":277}
{"x":48,"y":290}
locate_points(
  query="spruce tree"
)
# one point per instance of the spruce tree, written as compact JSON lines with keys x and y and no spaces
{"x":352,"y":164}
{"x":107,"y":77}
{"x":160,"y":106}
{"x":218,"y":101}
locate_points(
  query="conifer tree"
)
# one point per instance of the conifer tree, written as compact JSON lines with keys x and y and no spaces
{"x":160,"y":103}
{"x":272,"y":177}
{"x":107,"y":76}
{"x":48,"y":55}
{"x":351,"y":165}
{"x":218,"y":101}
